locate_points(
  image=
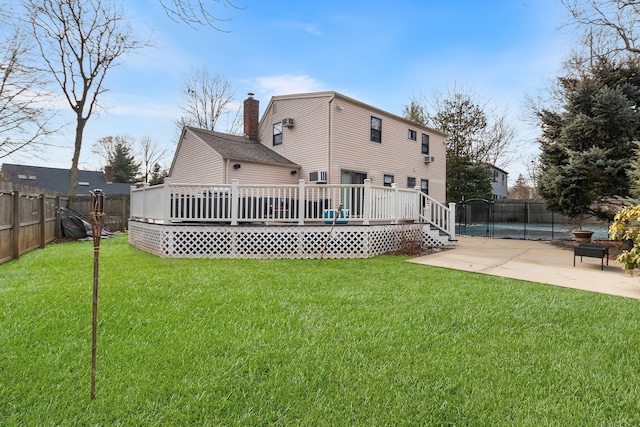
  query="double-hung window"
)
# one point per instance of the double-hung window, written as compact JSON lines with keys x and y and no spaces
{"x":388,"y":180}
{"x":425,"y":143}
{"x":411,"y":182}
{"x":376,"y":129}
{"x":277,"y":134}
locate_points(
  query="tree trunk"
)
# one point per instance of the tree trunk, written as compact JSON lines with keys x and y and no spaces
{"x":73,"y":172}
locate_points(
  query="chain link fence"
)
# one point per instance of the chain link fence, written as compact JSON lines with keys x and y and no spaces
{"x":517,"y":219}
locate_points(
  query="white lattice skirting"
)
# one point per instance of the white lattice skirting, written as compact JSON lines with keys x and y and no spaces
{"x":294,"y":241}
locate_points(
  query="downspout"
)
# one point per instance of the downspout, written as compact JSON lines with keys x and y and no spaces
{"x":330,"y":141}
{"x":226,"y":172}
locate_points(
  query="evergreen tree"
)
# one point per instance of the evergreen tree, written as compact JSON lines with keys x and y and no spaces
{"x":475,"y":137}
{"x":588,"y":146}
{"x":467,"y":180}
{"x":158,"y":174}
{"x":125,"y":168}
{"x":521,"y":190}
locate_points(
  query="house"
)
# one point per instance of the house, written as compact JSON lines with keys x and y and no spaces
{"x":313,"y":160}
{"x":499,"y":180}
{"x":55,"y":179}
{"x":321,"y":137}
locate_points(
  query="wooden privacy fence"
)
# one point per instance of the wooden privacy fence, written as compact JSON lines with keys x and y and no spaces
{"x":116,"y":210}
{"x":29,"y":219}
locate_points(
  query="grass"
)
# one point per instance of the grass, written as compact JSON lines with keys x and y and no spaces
{"x":306,"y":342}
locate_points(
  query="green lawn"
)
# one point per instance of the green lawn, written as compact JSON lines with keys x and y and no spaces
{"x":306,"y":342}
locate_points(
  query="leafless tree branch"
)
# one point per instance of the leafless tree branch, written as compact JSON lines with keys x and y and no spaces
{"x":208,"y":97}
{"x":151,"y":154}
{"x":196,"y":12}
{"x":24,"y":121}
{"x":79,"y":41}
{"x":608,"y":27}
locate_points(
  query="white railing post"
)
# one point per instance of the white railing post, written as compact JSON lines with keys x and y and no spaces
{"x":301,"y":202}
{"x":235,"y":201}
{"x":144,"y":202}
{"x":166,"y":201}
{"x":420,"y":199}
{"x":366,"y":213}
{"x":132,"y":203}
{"x":452,"y":221}
{"x":396,"y":202}
{"x":427,"y":213}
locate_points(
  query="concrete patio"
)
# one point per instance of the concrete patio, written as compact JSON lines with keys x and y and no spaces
{"x":534,"y":261}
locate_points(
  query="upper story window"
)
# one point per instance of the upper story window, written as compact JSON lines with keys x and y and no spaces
{"x":277,"y":134}
{"x":376,"y":129}
{"x":425,"y":143}
{"x":411,"y":182}
{"x":388,"y":180}
{"x":413,"y":134}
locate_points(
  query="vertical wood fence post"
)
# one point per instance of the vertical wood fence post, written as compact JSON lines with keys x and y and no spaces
{"x":15,"y":226}
{"x":125,"y":220}
{"x":43,"y":217}
{"x":58,"y":226}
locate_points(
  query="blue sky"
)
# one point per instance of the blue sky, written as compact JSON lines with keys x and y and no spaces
{"x":379,"y":52}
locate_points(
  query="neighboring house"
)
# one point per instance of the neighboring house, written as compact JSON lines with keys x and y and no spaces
{"x":58,"y":179}
{"x":322,"y":137}
{"x":499,"y":184}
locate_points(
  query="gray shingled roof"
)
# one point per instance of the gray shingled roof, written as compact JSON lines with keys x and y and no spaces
{"x":235,"y":147}
{"x":58,"y":179}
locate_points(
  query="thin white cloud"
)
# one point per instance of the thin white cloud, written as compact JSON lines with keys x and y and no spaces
{"x":306,"y":27}
{"x":132,"y":106}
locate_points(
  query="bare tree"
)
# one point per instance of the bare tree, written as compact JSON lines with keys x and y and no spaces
{"x":474,"y":129}
{"x":151,"y":156}
{"x":23,"y":118}
{"x":608,"y":27}
{"x":80,"y":41}
{"x":415,"y":112}
{"x":196,"y":12}
{"x":105,"y":147}
{"x":208,"y":97}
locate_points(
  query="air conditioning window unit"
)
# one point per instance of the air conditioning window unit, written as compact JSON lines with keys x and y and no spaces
{"x":429,"y":159}
{"x":287,"y":123}
{"x":318,"y":176}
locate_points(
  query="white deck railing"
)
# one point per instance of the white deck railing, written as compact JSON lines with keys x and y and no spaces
{"x":302,"y":203}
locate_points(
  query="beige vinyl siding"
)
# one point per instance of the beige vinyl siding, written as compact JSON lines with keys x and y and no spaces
{"x":331,"y":133}
{"x":255,"y":173}
{"x":396,"y":155}
{"x":306,"y":143}
{"x":197,"y":163}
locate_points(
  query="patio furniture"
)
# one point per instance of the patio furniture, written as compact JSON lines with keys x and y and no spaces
{"x":591,"y":250}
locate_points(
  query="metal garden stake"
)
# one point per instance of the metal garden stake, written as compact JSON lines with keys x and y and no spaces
{"x":97,"y":222}
{"x":335,"y":218}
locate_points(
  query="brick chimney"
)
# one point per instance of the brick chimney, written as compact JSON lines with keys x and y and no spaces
{"x":251,"y":112}
{"x":108,"y":173}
